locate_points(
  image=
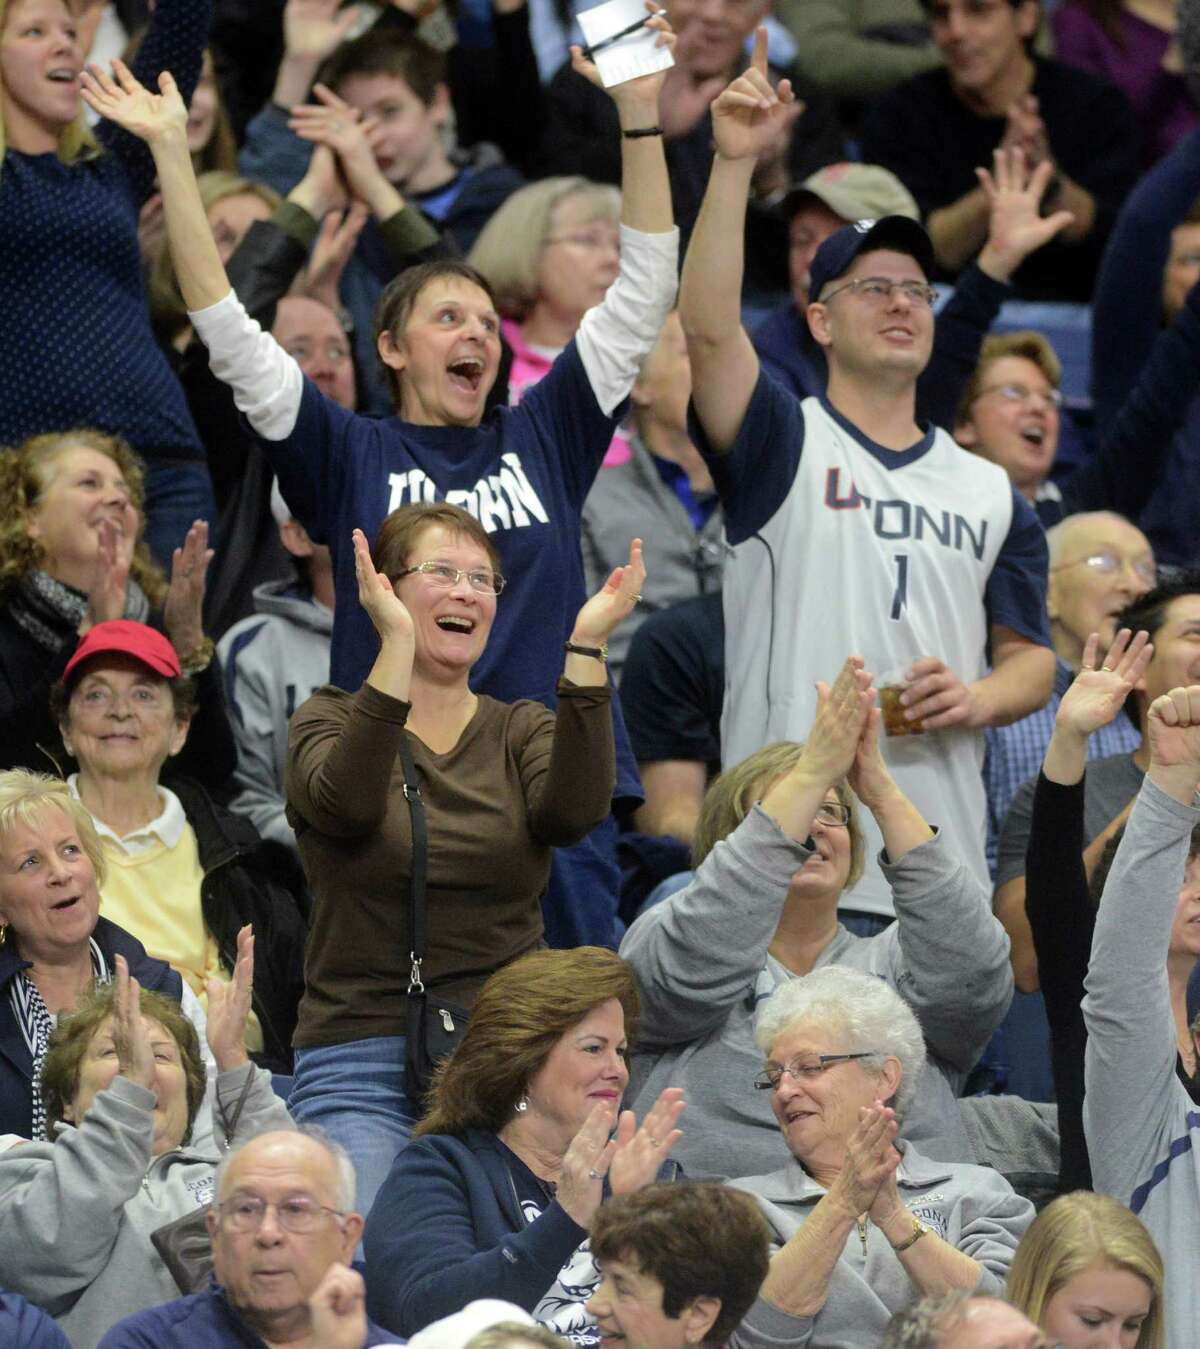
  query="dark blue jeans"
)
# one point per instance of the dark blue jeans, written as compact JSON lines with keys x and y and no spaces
{"x":355,"y":1092}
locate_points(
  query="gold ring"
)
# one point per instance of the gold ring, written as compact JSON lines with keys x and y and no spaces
{"x":1109,"y":668}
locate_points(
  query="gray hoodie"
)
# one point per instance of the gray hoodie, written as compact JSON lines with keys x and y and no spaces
{"x":272,"y":662}
{"x":77,"y":1214}
{"x":1142,"y":1128}
{"x":702,"y":968}
{"x":970,"y":1207}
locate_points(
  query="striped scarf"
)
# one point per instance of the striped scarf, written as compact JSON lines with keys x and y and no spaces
{"x":36,"y":1023}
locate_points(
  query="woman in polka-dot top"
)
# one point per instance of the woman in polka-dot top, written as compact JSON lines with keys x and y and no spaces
{"x":76,"y":347}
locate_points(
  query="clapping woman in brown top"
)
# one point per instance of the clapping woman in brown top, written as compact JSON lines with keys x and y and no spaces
{"x":502,"y":783}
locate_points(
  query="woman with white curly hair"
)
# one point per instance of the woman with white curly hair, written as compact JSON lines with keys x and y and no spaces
{"x":863,"y":1223}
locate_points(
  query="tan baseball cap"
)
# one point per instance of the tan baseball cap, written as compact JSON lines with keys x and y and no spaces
{"x":855,"y":192}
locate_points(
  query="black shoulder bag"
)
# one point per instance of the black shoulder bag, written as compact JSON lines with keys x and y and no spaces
{"x":434,"y":1027}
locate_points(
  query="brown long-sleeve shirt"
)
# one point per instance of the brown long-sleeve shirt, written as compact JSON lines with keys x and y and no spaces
{"x":520,"y":780}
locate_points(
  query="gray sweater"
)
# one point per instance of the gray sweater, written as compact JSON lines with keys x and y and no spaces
{"x":970,"y":1207}
{"x":77,"y":1214}
{"x":702,"y":967}
{"x":1142,"y":1129}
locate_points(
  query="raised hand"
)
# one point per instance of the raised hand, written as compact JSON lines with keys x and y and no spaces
{"x":335,"y":242}
{"x":748,"y":115}
{"x":1097,"y":696}
{"x":842,"y":711}
{"x":338,"y":1308}
{"x":1173,"y":725}
{"x":333,"y":122}
{"x":378,"y":597}
{"x":585,"y":1164}
{"x":314,"y":29}
{"x":1015,"y":226}
{"x":642,"y":93}
{"x":640,"y":1152}
{"x":122,"y":100}
{"x":131,"y":1039}
{"x":869,"y":777}
{"x":871,"y":1157}
{"x":183,"y":610}
{"x":614,"y":601}
{"x":114,"y":553}
{"x":229,"y":1007}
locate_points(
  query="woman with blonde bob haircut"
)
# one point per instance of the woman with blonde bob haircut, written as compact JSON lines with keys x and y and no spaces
{"x":1088,"y":1272}
{"x":525,"y":1140}
{"x":55,"y":949}
{"x":776,"y":849}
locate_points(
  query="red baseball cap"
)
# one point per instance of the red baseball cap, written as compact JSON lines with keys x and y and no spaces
{"x":135,"y":639}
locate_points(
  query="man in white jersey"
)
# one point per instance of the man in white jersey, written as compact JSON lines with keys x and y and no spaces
{"x":853,"y":528}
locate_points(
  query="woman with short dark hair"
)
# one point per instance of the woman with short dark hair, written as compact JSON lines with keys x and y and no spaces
{"x":495,"y":1196}
{"x":501,"y":785}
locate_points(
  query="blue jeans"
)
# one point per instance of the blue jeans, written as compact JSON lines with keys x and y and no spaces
{"x":178,"y":493}
{"x":864,"y":924}
{"x":355,"y":1092}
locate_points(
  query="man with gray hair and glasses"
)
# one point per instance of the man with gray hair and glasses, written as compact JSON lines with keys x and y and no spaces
{"x":283,"y":1236}
{"x":959,"y":1321}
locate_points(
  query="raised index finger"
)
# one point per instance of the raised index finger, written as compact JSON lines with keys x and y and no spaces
{"x":758,"y":61}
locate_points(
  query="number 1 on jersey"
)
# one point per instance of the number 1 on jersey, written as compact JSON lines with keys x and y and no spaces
{"x":900,"y":595}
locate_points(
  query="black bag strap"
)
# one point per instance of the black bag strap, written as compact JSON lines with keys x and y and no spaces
{"x":420,"y":865}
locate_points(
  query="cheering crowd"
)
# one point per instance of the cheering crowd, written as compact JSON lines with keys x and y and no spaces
{"x":601,"y":737}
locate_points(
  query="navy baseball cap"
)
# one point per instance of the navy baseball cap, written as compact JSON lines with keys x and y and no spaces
{"x":836,"y":255}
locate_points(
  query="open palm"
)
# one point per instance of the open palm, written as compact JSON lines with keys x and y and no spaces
{"x":1097,"y":696}
{"x":122,"y":99}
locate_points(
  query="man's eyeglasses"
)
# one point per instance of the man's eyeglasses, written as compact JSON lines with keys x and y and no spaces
{"x":298,"y":1216}
{"x":1020,"y":393}
{"x":879,"y":290}
{"x":804,"y":1070}
{"x":444,"y":577}
{"x":1106,"y":563}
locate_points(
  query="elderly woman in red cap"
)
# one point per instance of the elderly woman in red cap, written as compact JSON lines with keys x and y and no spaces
{"x":181,"y":874}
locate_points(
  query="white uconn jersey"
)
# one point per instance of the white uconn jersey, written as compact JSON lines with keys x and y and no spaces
{"x":890,"y":562}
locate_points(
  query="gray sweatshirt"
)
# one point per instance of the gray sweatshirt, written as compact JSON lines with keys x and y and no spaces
{"x":1142,"y":1129}
{"x":77,"y":1214}
{"x":970,"y":1207}
{"x":702,"y":967}
{"x":272,"y":662}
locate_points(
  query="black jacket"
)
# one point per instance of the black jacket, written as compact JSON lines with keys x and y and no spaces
{"x":249,"y":880}
{"x":16,"y":1062}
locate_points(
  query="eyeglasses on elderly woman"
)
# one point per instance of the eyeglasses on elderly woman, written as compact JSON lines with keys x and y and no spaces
{"x":805,"y":1070}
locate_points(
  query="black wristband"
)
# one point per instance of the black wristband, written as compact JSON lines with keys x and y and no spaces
{"x":596,"y":652}
{"x":637,"y":132}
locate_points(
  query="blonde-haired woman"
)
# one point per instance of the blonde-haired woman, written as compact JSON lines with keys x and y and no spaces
{"x":232,"y":204}
{"x":550,"y":253}
{"x":72,"y":555}
{"x":76,"y":345}
{"x":777,"y":847}
{"x":54,"y":946}
{"x":1088,"y":1272}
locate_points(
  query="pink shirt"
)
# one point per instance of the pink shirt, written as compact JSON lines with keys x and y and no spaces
{"x":528,"y":366}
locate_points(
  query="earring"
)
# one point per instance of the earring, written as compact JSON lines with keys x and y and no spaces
{"x":522,"y":1104}
{"x":3,"y":933}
